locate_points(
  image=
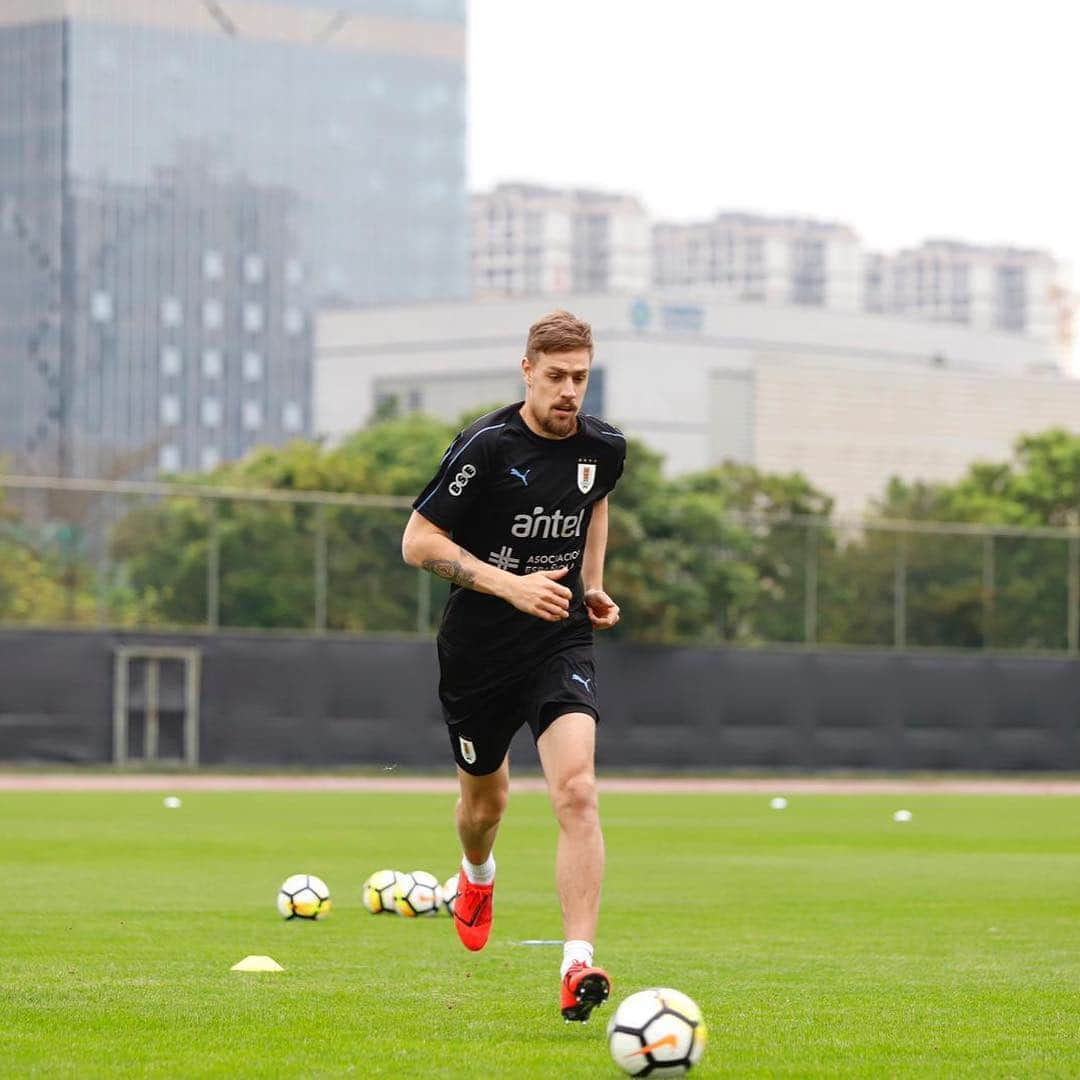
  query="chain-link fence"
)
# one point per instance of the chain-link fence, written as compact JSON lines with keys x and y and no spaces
{"x":172,"y":556}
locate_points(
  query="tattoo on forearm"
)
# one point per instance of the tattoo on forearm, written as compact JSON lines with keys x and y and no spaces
{"x":452,"y":569}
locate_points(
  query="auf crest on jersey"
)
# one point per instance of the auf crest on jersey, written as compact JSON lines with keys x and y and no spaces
{"x":586,"y":476}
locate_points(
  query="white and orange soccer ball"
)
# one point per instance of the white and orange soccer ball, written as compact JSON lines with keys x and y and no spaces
{"x":377,"y":893}
{"x":304,"y":896}
{"x":416,"y":894}
{"x":657,"y":1032}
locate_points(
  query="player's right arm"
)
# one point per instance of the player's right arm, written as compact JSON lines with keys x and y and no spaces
{"x":428,"y":547}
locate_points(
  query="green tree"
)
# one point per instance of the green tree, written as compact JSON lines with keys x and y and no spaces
{"x":267,"y":550}
{"x":682,"y":569}
{"x":948,"y":602}
{"x":686,"y":569}
{"x":783,"y":548}
{"x":40,"y":581}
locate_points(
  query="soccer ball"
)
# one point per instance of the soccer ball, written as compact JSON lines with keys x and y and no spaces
{"x":304,"y":896}
{"x":657,"y":1033}
{"x":448,"y":894}
{"x":378,"y":892}
{"x":414,"y":894}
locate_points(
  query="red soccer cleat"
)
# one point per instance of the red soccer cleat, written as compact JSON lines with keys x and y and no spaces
{"x":472,"y":912}
{"x":583,"y":988}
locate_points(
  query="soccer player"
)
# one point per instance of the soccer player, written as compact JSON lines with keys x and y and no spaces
{"x":516,"y":518}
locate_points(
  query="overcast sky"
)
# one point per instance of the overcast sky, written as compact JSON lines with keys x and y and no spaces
{"x":905,"y":120}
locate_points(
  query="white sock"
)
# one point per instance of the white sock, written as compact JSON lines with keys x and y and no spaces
{"x":572,"y":952}
{"x":479,"y":873}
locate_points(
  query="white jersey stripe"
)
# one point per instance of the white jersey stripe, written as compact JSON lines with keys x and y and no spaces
{"x":605,"y":431}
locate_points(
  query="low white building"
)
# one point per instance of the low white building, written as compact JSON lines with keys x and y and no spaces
{"x":847,"y":399}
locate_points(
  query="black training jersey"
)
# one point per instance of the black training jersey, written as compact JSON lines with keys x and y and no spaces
{"x":523,"y":503}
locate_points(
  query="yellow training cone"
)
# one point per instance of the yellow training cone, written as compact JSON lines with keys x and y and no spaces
{"x":257,"y":963}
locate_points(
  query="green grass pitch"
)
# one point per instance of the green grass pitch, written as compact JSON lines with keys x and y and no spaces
{"x":822,"y":940}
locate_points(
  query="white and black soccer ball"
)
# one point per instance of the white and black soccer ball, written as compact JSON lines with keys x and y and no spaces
{"x":448,"y":894}
{"x":657,"y":1032}
{"x":415,"y":895}
{"x":304,"y":896}
{"x":377,"y":892}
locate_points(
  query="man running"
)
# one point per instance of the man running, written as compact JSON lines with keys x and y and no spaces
{"x":516,"y":518}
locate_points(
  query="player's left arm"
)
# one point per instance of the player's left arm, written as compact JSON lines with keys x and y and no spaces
{"x":603,"y":611}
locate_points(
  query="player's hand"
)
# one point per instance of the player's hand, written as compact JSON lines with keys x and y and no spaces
{"x":603,"y":611}
{"x":540,"y":594}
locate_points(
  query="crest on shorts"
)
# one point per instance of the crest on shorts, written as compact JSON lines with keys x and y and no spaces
{"x":468,"y":751}
{"x":586,"y":476}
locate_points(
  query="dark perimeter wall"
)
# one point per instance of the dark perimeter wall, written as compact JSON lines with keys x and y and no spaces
{"x":278,"y":700}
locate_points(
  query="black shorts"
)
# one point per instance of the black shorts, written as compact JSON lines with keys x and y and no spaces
{"x":482,"y":725}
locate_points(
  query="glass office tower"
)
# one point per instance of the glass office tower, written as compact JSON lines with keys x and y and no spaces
{"x":182,"y":182}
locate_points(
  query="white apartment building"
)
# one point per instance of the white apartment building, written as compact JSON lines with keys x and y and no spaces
{"x":537,"y":241}
{"x":771,"y":260}
{"x":987,"y":288}
{"x":848,"y":399}
{"x":797,"y":261}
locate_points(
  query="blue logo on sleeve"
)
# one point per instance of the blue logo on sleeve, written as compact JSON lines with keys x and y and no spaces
{"x":584,"y":682}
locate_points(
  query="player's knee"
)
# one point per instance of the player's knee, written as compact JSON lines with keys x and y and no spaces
{"x":485,"y":811}
{"x":575,"y":797}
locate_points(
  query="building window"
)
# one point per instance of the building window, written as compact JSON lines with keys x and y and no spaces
{"x":294,"y":321}
{"x":253,"y":318}
{"x":169,"y":458}
{"x":253,"y":366}
{"x":213,"y":314}
{"x":210,"y":458}
{"x":172,"y":314}
{"x":172,"y":360}
{"x":211,"y":412}
{"x":291,"y":416}
{"x":101,"y":307}
{"x":252,"y":415}
{"x":170,"y":409}
{"x":253,"y":269}
{"x":213,"y":265}
{"x":212,"y":363}
{"x":294,"y":271}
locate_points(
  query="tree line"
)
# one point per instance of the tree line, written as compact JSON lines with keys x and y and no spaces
{"x":728,"y":554}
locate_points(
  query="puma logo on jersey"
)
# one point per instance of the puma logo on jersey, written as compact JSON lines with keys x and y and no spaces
{"x":522,"y":476}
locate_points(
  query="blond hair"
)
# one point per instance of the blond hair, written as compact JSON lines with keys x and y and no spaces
{"x":558,"y":332}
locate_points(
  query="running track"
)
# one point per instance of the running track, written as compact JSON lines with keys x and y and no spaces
{"x":941,"y":785}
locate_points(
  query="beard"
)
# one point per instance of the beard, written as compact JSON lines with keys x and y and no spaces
{"x":559,"y":424}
